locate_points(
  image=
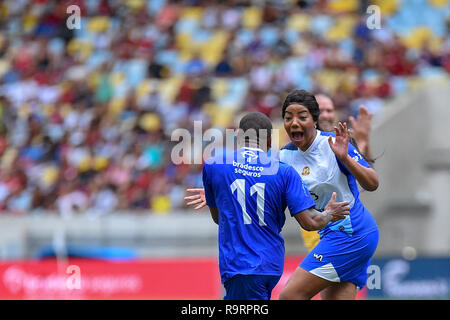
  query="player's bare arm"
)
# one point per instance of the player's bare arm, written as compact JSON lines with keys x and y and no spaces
{"x":366,"y":177}
{"x":214,"y":214}
{"x":198,"y":199}
{"x":312,"y":219}
{"x":360,"y":131}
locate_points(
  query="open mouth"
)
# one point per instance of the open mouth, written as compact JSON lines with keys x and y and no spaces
{"x":297,"y":136}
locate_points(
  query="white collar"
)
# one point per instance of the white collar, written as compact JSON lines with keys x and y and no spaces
{"x":318,"y":133}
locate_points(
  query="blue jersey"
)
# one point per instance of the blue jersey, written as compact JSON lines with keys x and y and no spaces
{"x":251,"y":192}
{"x":324,"y":174}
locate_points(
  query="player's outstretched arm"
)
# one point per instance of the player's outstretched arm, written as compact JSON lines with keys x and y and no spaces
{"x":312,"y":219}
{"x":214,"y":214}
{"x":197,"y":199}
{"x":361,"y":131}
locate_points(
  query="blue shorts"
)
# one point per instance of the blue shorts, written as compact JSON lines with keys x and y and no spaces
{"x":339,"y":257}
{"x":250,"y":287}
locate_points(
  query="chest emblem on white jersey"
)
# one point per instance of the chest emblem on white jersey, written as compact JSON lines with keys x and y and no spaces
{"x":306,"y":171}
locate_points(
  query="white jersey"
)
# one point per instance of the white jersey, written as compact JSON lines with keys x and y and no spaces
{"x":324,"y":174}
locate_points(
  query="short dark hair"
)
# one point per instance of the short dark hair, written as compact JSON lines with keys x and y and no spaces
{"x":305,"y":99}
{"x":254,"y":122}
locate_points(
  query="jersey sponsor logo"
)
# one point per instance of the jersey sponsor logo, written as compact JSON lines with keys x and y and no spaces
{"x":249,"y":155}
{"x":318,"y":256}
{"x":306,"y":171}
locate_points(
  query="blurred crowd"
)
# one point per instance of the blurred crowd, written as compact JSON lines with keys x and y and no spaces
{"x":86,"y":114}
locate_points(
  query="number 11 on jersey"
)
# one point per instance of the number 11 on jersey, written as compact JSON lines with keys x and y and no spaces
{"x":258,"y":188}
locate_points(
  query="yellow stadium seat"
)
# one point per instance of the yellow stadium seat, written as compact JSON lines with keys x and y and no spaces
{"x":9,"y":157}
{"x":342,"y":29}
{"x":80,"y":46}
{"x":209,"y":108}
{"x":50,"y":175}
{"x":183,"y":40}
{"x":341,"y":6}
{"x":135,"y":4}
{"x":329,"y":80}
{"x":73,"y":46}
{"x":219,"y":87}
{"x":48,"y":109}
{"x":150,"y":121}
{"x":299,"y":22}
{"x":252,"y":18}
{"x":220,"y":38}
{"x":3,"y":10}
{"x":85,"y":164}
{"x":116,"y":78}
{"x":438,"y":3}
{"x":223,"y":117}
{"x":169,"y":88}
{"x":337,"y":33}
{"x":115,"y":106}
{"x":419,"y":36}
{"x":93,"y":80}
{"x":212,"y":51}
{"x":29,"y":22}
{"x":348,"y":81}
{"x":195,"y":13}
{"x":98,"y":24}
{"x":387,"y":7}
{"x":100,"y":163}
{"x":4,"y":66}
{"x":143,"y":88}
{"x":186,"y":55}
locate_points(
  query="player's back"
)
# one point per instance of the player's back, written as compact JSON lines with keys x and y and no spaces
{"x":249,"y":189}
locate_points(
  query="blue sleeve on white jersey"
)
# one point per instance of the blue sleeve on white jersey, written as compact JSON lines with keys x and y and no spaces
{"x":209,"y":195}
{"x":297,"y":195}
{"x":356,"y":155}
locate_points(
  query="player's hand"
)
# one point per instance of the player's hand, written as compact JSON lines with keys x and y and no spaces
{"x":340,"y":144}
{"x":197,"y":199}
{"x":337,"y":210}
{"x":361,"y":126}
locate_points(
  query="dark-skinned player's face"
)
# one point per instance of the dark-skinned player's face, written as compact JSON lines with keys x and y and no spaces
{"x":300,"y":126}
